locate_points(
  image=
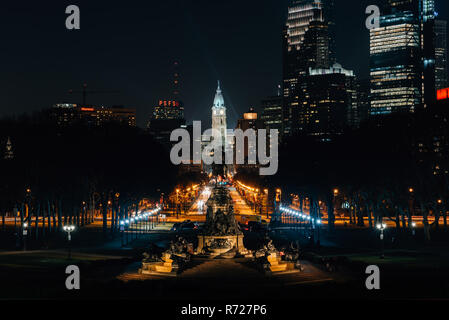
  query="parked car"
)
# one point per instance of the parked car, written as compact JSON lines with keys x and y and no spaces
{"x":255,"y":226}
{"x":185,"y":226}
{"x":189,"y":226}
{"x":243,"y":227}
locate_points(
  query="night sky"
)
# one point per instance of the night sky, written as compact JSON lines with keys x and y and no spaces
{"x":130,"y":46}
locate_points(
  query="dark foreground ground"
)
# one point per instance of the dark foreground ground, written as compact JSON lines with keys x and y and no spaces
{"x":410,"y":270}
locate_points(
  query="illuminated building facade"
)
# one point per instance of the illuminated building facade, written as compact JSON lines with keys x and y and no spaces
{"x":402,"y":57}
{"x":329,"y":102}
{"x":168,"y":110}
{"x":70,"y":114}
{"x":250,"y":120}
{"x":395,"y":65}
{"x":308,"y":43}
{"x":300,"y":14}
{"x":219,"y":117}
{"x":219,"y":127}
{"x":100,"y":115}
{"x":272,"y":115}
{"x":441,"y":70}
{"x":167,"y":116}
{"x":363,"y":99}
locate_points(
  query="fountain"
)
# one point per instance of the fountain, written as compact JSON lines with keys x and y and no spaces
{"x":221,"y":236}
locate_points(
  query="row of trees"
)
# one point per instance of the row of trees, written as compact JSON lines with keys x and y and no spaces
{"x":65,"y":173}
{"x":392,"y":167}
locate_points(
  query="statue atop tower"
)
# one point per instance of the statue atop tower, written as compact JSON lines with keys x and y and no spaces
{"x":219,"y":117}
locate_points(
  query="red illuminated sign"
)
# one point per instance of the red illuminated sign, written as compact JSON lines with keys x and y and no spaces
{"x":443,"y":94}
{"x":169,"y":103}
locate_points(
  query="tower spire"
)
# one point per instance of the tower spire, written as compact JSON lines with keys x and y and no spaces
{"x":219,"y":100}
{"x":9,"y":154}
{"x":176,"y":80}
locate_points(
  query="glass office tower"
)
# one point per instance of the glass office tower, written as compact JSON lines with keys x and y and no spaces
{"x":441,"y":71}
{"x":402,"y":57}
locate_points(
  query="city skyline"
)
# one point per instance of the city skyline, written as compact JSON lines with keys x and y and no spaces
{"x":143,"y":75}
{"x":191,"y":153}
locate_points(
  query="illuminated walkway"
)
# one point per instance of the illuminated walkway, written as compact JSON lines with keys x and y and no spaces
{"x":240,"y":206}
{"x":199,"y":207}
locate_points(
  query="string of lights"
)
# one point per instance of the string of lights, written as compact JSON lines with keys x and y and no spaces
{"x":300,"y":215}
{"x":139,"y":216}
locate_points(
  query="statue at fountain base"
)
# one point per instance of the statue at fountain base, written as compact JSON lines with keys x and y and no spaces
{"x":221,"y":246}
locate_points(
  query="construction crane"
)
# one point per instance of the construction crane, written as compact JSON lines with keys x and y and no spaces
{"x":85,"y":92}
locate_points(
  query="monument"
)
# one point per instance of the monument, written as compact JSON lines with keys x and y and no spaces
{"x":168,"y":262}
{"x":221,"y":236}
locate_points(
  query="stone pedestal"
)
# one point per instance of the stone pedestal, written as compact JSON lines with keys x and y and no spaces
{"x":277,"y":265}
{"x":210,"y":246}
{"x":163,"y":267}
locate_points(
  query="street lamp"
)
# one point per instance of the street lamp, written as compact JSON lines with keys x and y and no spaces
{"x":266,"y":202}
{"x":133,"y":231}
{"x":25,"y":233}
{"x":318,"y":223}
{"x":177,"y":203}
{"x":127,"y":221}
{"x":69,"y":229}
{"x":413,"y":228}
{"x":122,"y":229}
{"x":382,"y":227}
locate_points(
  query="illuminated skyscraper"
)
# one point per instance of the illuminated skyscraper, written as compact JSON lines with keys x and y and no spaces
{"x":441,"y":70}
{"x":328,"y":102}
{"x":167,"y":116}
{"x":307,"y":44}
{"x":402,"y":57}
{"x":272,"y":113}
{"x":395,"y":65}
{"x":250,"y":120}
{"x":168,"y":110}
{"x":299,"y":17}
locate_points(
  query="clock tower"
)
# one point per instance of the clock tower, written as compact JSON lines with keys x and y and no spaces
{"x":219,"y":117}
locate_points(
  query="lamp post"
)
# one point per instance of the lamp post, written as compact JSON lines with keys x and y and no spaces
{"x":177,"y":203}
{"x":25,"y":235}
{"x":318,"y":223}
{"x":382,"y":227}
{"x":132,"y":229}
{"x":122,"y":229}
{"x":69,"y":229}
{"x":127,"y":221}
{"x":334,"y":204}
{"x":413,"y":228}
{"x":266,"y":202}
